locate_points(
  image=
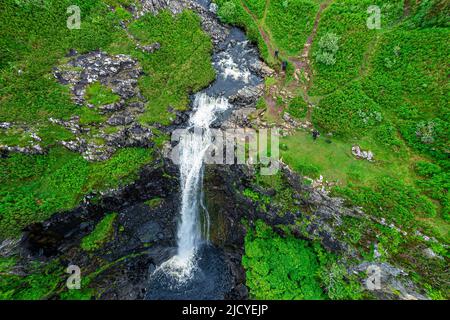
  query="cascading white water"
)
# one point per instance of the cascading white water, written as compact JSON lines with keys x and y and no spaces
{"x":193,"y":146}
{"x":232,"y":65}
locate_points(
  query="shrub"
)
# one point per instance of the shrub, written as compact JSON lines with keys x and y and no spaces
{"x":328,"y":45}
{"x":227,"y":12}
{"x":280,"y":268}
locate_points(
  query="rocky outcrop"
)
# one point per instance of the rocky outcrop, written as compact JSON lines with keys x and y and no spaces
{"x":143,"y":235}
{"x":318,"y":217}
{"x":120,"y":74}
{"x":154,"y":6}
{"x":210,"y":24}
{"x":361,"y":154}
{"x":393,"y":283}
{"x":248,"y":96}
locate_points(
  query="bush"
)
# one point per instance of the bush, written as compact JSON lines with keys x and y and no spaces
{"x":328,"y":45}
{"x":227,"y":12}
{"x":280,"y":268}
{"x":297,"y":108}
{"x":393,"y":200}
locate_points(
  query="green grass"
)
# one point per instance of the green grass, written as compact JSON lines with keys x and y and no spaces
{"x":40,"y":282}
{"x":101,"y":234}
{"x":154,"y":202}
{"x":181,"y":66}
{"x":288,"y":268}
{"x":34,"y":39}
{"x":34,"y":187}
{"x":231,"y":11}
{"x":347,"y":19}
{"x":287,"y":23}
{"x":335,"y":161}
{"x":15,"y":137}
{"x":387,"y":92}
{"x":98,"y":94}
{"x":290,"y":23}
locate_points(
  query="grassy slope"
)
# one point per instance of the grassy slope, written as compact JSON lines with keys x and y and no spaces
{"x":384,"y":85}
{"x":34,"y":39}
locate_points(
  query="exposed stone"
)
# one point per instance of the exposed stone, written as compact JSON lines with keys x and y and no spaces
{"x":262,"y":69}
{"x":213,"y":8}
{"x":8,"y":246}
{"x":5,"y":125}
{"x":394,"y":282}
{"x":248,"y":96}
{"x":429,"y":253}
{"x":32,"y":149}
{"x":119,"y":72}
{"x":154,"y":6}
{"x":122,"y":118}
{"x":149,"y":48}
{"x":361,"y":154}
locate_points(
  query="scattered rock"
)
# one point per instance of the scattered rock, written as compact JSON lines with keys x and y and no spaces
{"x":429,"y":253}
{"x":5,"y":125}
{"x":394,"y":282}
{"x":361,"y":154}
{"x":119,"y":72}
{"x":149,"y":48}
{"x":248,"y":96}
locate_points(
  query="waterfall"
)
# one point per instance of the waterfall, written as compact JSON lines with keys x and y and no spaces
{"x":193,"y":147}
{"x":234,"y":62}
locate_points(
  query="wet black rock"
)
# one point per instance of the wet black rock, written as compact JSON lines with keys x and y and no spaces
{"x":248,"y":96}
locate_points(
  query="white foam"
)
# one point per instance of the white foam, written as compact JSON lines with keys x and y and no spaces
{"x":193,"y":147}
{"x":232,"y":70}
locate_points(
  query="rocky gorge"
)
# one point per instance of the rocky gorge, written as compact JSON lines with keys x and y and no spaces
{"x":144,"y":233}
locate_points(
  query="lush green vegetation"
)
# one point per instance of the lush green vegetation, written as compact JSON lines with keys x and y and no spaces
{"x":232,"y":11}
{"x":101,"y":234}
{"x":154,"y":202}
{"x":280,"y":21}
{"x":181,"y":66}
{"x":288,"y":28}
{"x":32,"y":188}
{"x":34,"y":39}
{"x":280,"y":268}
{"x":97,"y":94}
{"x":41,"y":281}
{"x":289,"y":268}
{"x":385,"y":90}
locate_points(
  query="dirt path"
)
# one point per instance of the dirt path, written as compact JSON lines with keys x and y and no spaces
{"x":261,"y":30}
{"x":303,"y":63}
{"x":302,"y":67}
{"x":406,"y":8}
